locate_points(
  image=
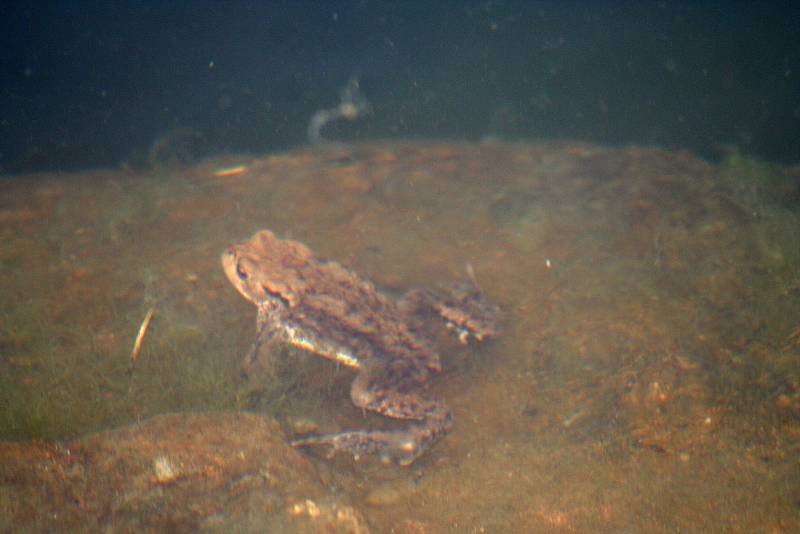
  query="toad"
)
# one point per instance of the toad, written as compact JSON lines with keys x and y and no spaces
{"x":329,"y":310}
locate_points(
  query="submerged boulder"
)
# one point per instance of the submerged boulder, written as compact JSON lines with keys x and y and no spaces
{"x":177,"y":473}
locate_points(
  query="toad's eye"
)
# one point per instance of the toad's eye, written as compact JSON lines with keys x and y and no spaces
{"x":241,"y":273}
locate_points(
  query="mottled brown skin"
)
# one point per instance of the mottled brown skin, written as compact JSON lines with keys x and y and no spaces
{"x":329,"y":310}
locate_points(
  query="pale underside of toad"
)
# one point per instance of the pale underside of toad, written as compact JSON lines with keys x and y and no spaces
{"x":322,"y":307}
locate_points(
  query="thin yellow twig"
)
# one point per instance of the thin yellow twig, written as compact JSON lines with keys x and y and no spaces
{"x":137,"y":345}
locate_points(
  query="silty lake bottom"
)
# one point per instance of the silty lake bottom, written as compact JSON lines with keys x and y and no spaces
{"x":647,"y":378}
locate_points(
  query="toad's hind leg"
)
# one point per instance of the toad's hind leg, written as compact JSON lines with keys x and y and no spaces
{"x":433,"y":420}
{"x":463,"y":307}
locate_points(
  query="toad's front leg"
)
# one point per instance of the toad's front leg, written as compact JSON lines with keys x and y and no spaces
{"x":268,"y":332}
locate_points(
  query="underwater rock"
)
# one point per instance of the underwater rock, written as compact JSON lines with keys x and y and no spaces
{"x":177,"y":473}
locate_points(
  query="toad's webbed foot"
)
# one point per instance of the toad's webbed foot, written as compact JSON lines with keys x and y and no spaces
{"x":463,"y":307}
{"x":402,"y":446}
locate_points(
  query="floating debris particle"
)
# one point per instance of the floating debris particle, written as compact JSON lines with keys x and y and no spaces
{"x":566,"y":423}
{"x":137,"y":345}
{"x":232,"y":170}
{"x":352,"y":105}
